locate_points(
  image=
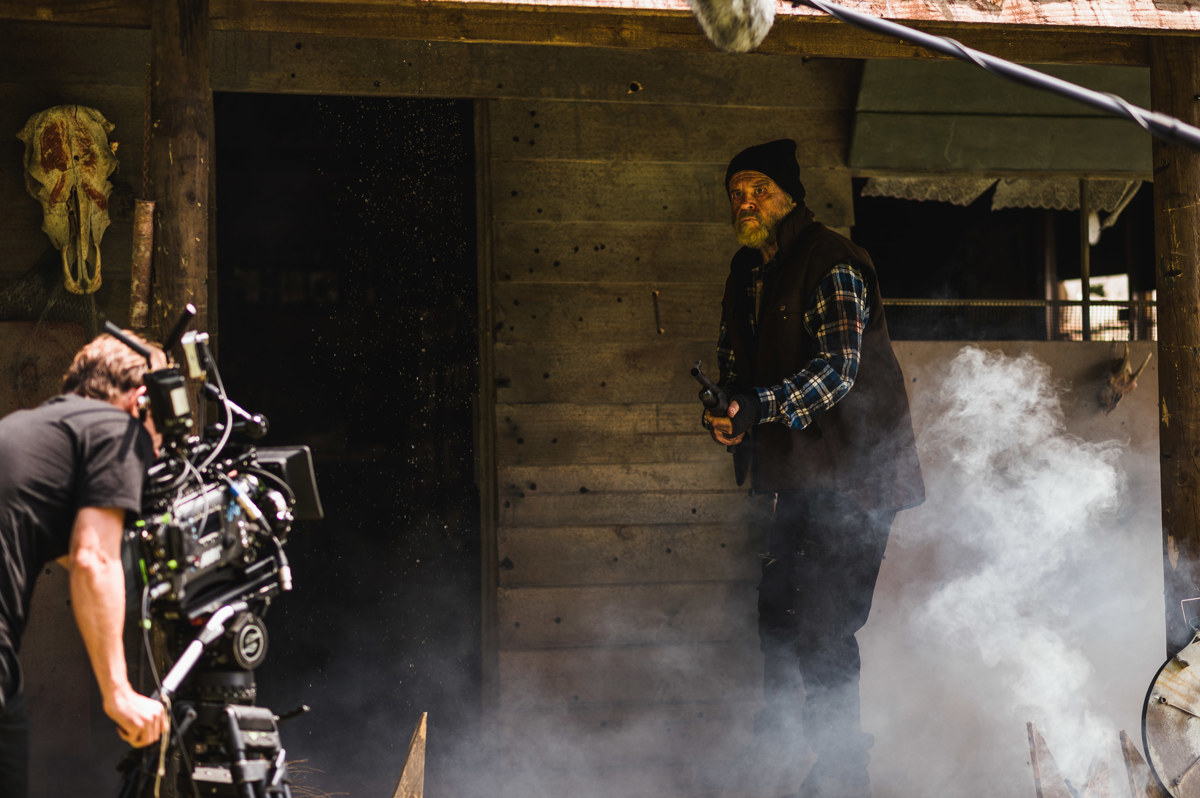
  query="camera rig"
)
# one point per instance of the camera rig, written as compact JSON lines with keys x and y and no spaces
{"x":209,"y":558}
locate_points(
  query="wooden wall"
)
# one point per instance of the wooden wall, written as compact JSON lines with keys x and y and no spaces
{"x":626,"y":600}
{"x":623,"y":578}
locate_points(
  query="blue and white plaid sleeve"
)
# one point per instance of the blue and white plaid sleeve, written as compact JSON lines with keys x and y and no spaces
{"x":836,"y":320}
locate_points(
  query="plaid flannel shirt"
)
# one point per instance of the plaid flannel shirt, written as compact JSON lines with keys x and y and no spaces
{"x":835,"y":319}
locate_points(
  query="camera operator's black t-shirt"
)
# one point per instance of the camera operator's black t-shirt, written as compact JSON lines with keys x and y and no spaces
{"x":65,"y":454}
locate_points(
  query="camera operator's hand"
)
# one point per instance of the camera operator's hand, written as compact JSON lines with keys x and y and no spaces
{"x":97,"y":582}
{"x":140,"y":720}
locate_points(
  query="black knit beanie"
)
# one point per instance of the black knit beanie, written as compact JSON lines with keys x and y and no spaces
{"x":775,"y":159}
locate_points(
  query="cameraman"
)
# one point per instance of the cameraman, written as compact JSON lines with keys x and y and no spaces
{"x":70,"y":471}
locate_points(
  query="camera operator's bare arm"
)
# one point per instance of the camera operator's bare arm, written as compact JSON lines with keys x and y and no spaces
{"x":98,"y":599}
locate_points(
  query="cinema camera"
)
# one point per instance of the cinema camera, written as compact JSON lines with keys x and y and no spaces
{"x":209,"y":555}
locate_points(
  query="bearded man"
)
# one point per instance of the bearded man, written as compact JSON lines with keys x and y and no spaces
{"x":819,"y":401}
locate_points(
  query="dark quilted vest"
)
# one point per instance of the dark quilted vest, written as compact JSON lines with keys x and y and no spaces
{"x":863,"y":446}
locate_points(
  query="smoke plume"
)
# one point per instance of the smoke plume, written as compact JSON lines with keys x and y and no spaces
{"x":1025,"y":568}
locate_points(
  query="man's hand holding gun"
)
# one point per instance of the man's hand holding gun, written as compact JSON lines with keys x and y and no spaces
{"x":727,"y":419}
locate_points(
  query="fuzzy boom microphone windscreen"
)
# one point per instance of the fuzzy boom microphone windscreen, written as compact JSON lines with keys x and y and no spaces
{"x":736,"y":26}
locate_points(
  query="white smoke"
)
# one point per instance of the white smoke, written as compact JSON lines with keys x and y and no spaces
{"x":1021,"y":581}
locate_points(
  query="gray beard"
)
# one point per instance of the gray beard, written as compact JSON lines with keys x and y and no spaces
{"x":756,"y":236}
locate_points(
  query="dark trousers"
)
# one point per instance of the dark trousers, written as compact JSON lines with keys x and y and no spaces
{"x":818,"y":579}
{"x":14,"y":749}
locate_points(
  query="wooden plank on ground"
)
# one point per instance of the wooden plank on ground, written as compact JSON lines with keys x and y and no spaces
{"x":558,"y":191}
{"x":606,"y":616}
{"x":991,"y":144}
{"x":562,"y":678}
{"x":628,"y":313}
{"x":601,"y":131}
{"x":627,"y":554}
{"x":561,"y":434}
{"x":620,"y":252}
{"x":655,"y":370}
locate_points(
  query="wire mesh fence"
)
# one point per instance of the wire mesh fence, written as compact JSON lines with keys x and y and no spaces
{"x":1020,"y":320}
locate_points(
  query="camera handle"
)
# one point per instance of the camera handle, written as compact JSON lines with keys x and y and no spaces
{"x":211,"y":631}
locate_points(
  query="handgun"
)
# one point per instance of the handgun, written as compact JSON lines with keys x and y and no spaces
{"x":712,"y":396}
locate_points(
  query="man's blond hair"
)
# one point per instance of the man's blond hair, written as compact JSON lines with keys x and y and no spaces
{"x":105,"y":368}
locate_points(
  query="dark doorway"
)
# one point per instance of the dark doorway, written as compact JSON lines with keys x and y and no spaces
{"x":347,"y":315}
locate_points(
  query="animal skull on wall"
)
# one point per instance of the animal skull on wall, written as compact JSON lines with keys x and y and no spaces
{"x":67,"y":163}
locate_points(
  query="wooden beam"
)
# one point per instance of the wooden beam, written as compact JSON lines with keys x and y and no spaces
{"x":602,"y":27}
{"x":1174,"y":75}
{"x":181,"y":114}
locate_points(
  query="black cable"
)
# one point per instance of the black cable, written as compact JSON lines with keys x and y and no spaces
{"x":1156,"y":124}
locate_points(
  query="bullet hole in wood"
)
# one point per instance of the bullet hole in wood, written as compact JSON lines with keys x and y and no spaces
{"x":558,"y":620}
{"x":635,"y":87}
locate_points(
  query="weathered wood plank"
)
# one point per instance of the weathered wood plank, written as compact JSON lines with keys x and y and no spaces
{"x":570,"y":479}
{"x":541,"y":773}
{"x":994,"y":144}
{"x":628,"y":553}
{"x":552,"y":744}
{"x":324,"y":64}
{"x":626,"y":615}
{"x":619,"y":252}
{"x":1176,"y":243}
{"x":537,"y":434}
{"x":562,"y":678}
{"x":559,"y":191}
{"x":656,"y":370}
{"x":619,"y":508}
{"x":792,"y":35}
{"x":582,"y":313}
{"x":584,"y":131}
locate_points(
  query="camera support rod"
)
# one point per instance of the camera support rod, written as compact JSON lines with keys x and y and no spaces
{"x":213,"y":629}
{"x":1162,"y":126}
